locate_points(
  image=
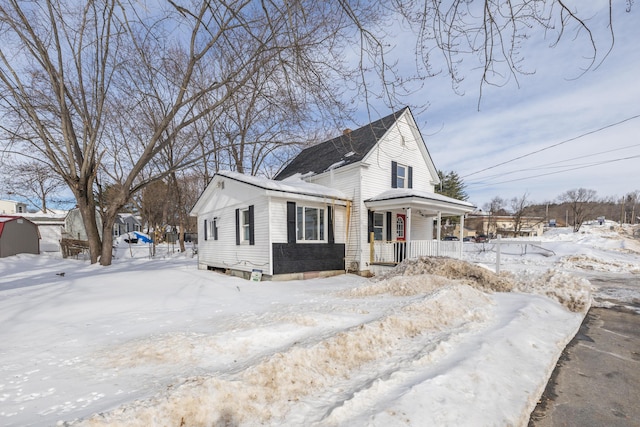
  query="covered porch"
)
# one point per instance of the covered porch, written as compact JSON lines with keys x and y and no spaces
{"x":402,"y":221}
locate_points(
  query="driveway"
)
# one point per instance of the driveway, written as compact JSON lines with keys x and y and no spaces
{"x":597,"y":379}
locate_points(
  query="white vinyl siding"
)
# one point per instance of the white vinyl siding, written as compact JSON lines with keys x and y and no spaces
{"x":374,"y":177}
{"x":224,"y":253}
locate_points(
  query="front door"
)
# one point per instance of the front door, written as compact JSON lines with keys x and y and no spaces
{"x":401,"y":221}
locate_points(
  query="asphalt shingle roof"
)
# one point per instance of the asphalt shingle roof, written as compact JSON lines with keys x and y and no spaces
{"x":336,"y":152}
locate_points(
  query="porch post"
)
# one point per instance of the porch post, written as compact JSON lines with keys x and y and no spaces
{"x":407,"y":236}
{"x":438,"y":233}
{"x":461,"y":236}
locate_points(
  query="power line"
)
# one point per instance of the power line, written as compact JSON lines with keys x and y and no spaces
{"x":550,"y":165}
{"x":481,"y":184}
{"x":555,"y":145}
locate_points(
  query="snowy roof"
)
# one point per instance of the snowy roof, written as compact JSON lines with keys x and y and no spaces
{"x":401,"y":193}
{"x":293,"y":184}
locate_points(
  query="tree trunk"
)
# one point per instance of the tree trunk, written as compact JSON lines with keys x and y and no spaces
{"x":107,"y":240}
{"x":181,"y":225}
{"x":88,"y":213}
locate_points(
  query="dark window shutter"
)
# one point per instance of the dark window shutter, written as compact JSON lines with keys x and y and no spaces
{"x":215,"y":229}
{"x":291,"y":222}
{"x":394,"y":174}
{"x":369,"y":225}
{"x":252,"y":240}
{"x":410,"y":178}
{"x":237,"y":226}
{"x":205,"y":229}
{"x":330,"y":235}
{"x":389,"y":238}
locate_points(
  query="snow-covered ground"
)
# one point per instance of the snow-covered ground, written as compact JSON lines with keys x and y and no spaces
{"x":157,"y":342}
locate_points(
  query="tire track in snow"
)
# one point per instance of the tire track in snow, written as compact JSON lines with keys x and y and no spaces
{"x":309,"y":380}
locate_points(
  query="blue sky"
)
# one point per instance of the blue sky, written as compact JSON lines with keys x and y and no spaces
{"x":553,"y":106}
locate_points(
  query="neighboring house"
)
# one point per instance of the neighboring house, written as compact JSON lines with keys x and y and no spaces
{"x":376,"y":181}
{"x":74,"y":226}
{"x":50,"y":226}
{"x":125,"y":223}
{"x":10,"y":207}
{"x":18,"y":235}
{"x":505,"y":225}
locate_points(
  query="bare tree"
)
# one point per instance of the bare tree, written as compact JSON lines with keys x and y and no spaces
{"x":631,"y":204}
{"x":101,"y":90}
{"x":80,"y":69}
{"x":581,"y":202}
{"x":518,"y":208}
{"x":33,"y":180}
{"x":495,"y":208}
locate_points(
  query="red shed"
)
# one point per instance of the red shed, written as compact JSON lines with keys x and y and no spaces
{"x":18,"y":235}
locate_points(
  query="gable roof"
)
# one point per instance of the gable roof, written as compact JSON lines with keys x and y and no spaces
{"x":8,"y":218}
{"x":348,"y":148}
{"x":293,"y":185}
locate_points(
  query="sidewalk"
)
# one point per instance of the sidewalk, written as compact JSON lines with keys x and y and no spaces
{"x":597,"y":379}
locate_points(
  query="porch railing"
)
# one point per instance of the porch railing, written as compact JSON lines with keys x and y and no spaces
{"x":394,"y":252}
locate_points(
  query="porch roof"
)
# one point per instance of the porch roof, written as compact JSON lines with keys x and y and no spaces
{"x":427,"y":203}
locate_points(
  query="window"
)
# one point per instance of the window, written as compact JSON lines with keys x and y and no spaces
{"x":309,"y":223}
{"x":402,"y":172}
{"x":244,"y":226}
{"x":213,"y":229}
{"x":245,"y":219}
{"x":378,"y":225}
{"x":401,"y":176}
{"x":400,"y":228}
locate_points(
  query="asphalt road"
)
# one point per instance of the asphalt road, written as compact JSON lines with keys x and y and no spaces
{"x":597,"y":379}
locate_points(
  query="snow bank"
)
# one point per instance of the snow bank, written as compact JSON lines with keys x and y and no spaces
{"x":573,"y":292}
{"x":470,"y":274}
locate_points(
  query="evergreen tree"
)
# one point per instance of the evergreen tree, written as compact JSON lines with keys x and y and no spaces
{"x":451,"y":185}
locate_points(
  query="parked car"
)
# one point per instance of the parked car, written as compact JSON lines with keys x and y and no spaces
{"x":450,"y":238}
{"x":468,"y":239}
{"x":482,"y":239}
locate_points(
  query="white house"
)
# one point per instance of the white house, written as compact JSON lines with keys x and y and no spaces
{"x":11,"y":207}
{"x":384,"y":178}
{"x":74,"y":226}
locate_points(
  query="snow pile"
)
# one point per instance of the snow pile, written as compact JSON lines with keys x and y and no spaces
{"x":590,"y":263}
{"x":573,"y":292}
{"x":470,"y":274}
